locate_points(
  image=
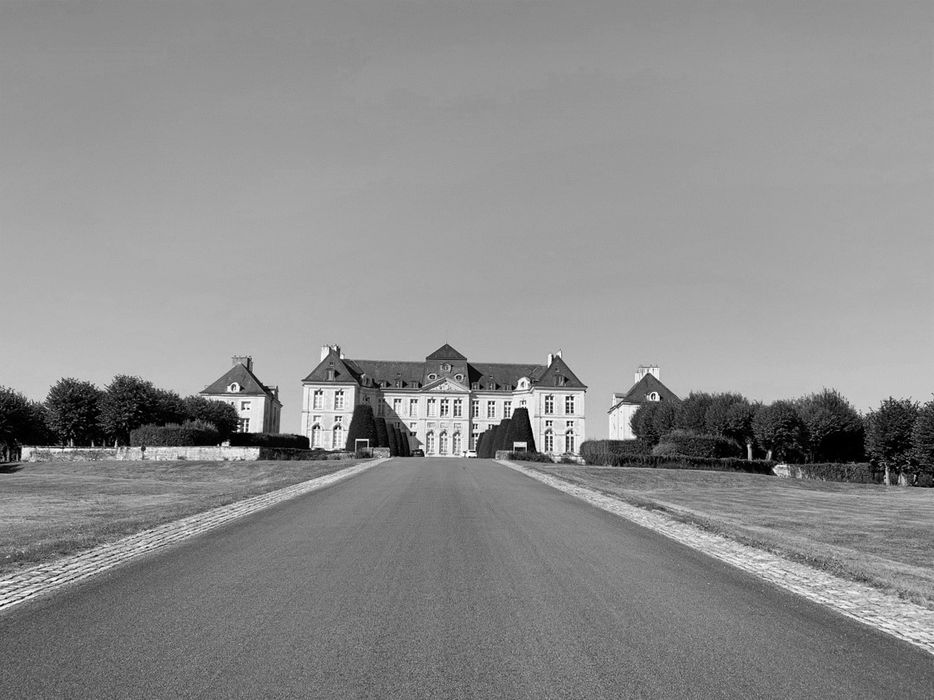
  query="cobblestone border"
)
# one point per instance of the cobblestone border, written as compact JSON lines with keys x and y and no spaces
{"x":906,"y":621}
{"x":45,"y":578}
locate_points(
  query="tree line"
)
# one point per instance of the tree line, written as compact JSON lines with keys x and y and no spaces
{"x":897,"y":436}
{"x":78,"y":413}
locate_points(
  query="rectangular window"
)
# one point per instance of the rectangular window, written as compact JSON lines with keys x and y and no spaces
{"x":244,"y":405}
{"x":413,"y":407}
{"x":445,"y":407}
{"x":397,"y":406}
{"x":243,"y":425}
{"x":491,"y":409}
{"x":569,"y":405}
{"x":432,"y":407}
{"x":318,"y":402}
{"x":549,"y":423}
{"x":507,"y":409}
{"x":338,"y":400}
{"x":474,"y":408}
{"x":549,"y":405}
{"x":569,"y":424}
{"x":458,"y":408}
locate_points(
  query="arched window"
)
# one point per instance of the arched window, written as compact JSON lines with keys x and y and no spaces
{"x":316,"y":436}
{"x":337,"y":440}
{"x":549,"y":441}
{"x":432,"y":376}
{"x":233,"y":387}
{"x":430,"y":442}
{"x":445,"y":367}
{"x":443,"y":443}
{"x":569,"y":441}
{"x":456,"y":444}
{"x":653,"y":396}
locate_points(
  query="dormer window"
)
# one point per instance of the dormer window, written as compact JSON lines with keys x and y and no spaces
{"x":331,"y":374}
{"x":523,"y":384}
{"x":654,"y":396}
{"x":233,"y":387}
{"x":475,"y":385}
{"x":491,"y":384}
{"x":432,"y":377}
{"x":445,"y":367}
{"x":398,"y":383}
{"x":459,"y":377}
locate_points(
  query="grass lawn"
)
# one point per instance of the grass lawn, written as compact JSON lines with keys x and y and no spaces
{"x":883,"y":536}
{"x":51,"y":509}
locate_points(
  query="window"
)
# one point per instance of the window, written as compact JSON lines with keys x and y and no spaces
{"x":413,"y":427}
{"x":413,"y":407}
{"x":458,"y":408}
{"x":549,"y":441}
{"x":432,"y":376}
{"x":432,"y":407}
{"x":507,"y":409}
{"x":243,"y":425}
{"x":569,"y":405}
{"x":339,"y":400}
{"x":522,"y":403}
{"x":316,"y":436}
{"x":456,"y":444}
{"x":397,"y":406}
{"x":569,"y":441}
{"x":549,"y":405}
{"x":459,"y":377}
{"x":233,"y":387}
{"x":474,"y":408}
{"x":318,"y":401}
{"x":491,"y":409}
{"x":549,"y":423}
{"x":473,"y":442}
{"x":443,"y":443}
{"x":244,"y":405}
{"x":445,"y":367}
{"x":653,"y":396}
{"x":445,"y":407}
{"x":430,"y":442}
{"x":569,"y":425}
{"x":337,"y":439}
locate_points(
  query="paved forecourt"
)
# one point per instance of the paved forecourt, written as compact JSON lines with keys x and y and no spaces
{"x":442,"y":578}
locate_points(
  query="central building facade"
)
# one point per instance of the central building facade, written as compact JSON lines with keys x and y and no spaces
{"x":443,"y":404}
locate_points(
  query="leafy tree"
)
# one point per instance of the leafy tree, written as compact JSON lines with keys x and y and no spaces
{"x":889,"y":436}
{"x":692,"y":412}
{"x":382,"y":435}
{"x":362,"y":426}
{"x":21,"y":422}
{"x":922,"y":437}
{"x":779,"y":430}
{"x":643,"y":422}
{"x":168,"y":407}
{"x":223,"y":416}
{"x":127,"y":403}
{"x":74,"y":411}
{"x":663,"y":421}
{"x":730,"y":416}
{"x":834,"y":428}
{"x":520,"y":430}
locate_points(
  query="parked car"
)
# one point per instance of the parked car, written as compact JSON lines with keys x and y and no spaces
{"x":418,"y":453}
{"x":470,"y":453}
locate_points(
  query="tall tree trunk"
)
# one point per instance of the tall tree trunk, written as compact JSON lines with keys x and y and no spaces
{"x":888,"y":476}
{"x":768,"y":455}
{"x":749,"y":451}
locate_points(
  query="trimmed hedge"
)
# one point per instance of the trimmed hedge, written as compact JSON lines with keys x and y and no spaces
{"x":682,"y":442}
{"x":189,"y":434}
{"x":299,"y":442}
{"x":756,"y":466}
{"x":853,"y":473}
{"x":528,"y":457}
{"x":601,"y":452}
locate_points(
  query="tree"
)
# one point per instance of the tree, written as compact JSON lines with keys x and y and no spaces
{"x":382,"y":435}
{"x":643,"y":422}
{"x":220,"y":413}
{"x":21,"y":422}
{"x":362,"y":426}
{"x":663,"y":421}
{"x":520,"y":430}
{"x":730,"y":416}
{"x":127,"y":403}
{"x":922,"y":438}
{"x":888,"y":437}
{"x":74,"y":411}
{"x":779,"y":430}
{"x":834,"y":428}
{"x":168,"y":407}
{"x":692,"y":412}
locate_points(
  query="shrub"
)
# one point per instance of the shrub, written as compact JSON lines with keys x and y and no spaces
{"x":299,"y":442}
{"x":393,"y":434}
{"x":598,"y":452}
{"x":500,"y":439}
{"x":643,"y":422}
{"x":188,"y":434}
{"x":362,"y":426}
{"x":922,"y":437}
{"x":682,"y":442}
{"x":758,"y":466}
{"x":382,"y":435}
{"x":528,"y":457}
{"x":520,"y":430}
{"x":853,"y":472}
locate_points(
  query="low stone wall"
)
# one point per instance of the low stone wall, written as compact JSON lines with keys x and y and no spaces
{"x":220,"y":453}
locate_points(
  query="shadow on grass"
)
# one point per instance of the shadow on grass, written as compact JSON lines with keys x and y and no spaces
{"x":10,"y":467}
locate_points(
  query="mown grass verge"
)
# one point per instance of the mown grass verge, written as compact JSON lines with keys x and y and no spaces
{"x":868,"y":533}
{"x":48,"y":510}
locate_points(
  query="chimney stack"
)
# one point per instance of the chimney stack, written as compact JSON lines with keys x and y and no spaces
{"x":244,"y":360}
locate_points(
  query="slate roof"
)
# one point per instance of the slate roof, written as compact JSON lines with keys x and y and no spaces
{"x":249,"y":384}
{"x":414,"y":375}
{"x":645,"y":386}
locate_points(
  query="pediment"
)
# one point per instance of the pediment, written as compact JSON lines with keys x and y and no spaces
{"x":446,"y":385}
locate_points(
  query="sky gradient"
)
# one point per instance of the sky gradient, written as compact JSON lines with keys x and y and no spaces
{"x":740,"y":192}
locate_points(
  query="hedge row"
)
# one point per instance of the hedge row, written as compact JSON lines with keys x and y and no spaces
{"x":854,"y":473}
{"x":598,"y":451}
{"x":189,"y":434}
{"x":684,"y":442}
{"x":757,"y":466}
{"x":528,"y":457}
{"x":299,"y":442}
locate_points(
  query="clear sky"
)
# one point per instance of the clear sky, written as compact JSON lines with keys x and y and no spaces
{"x":740,"y":192}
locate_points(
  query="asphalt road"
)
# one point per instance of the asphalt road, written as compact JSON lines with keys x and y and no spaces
{"x":442,"y":578}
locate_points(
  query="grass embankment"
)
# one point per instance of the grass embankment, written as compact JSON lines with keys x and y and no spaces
{"x":49,"y":510}
{"x":883,"y":536}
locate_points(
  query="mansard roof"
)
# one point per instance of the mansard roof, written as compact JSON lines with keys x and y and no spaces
{"x":558,"y":369}
{"x":242,"y":376}
{"x":645,"y":386}
{"x":445,"y":352}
